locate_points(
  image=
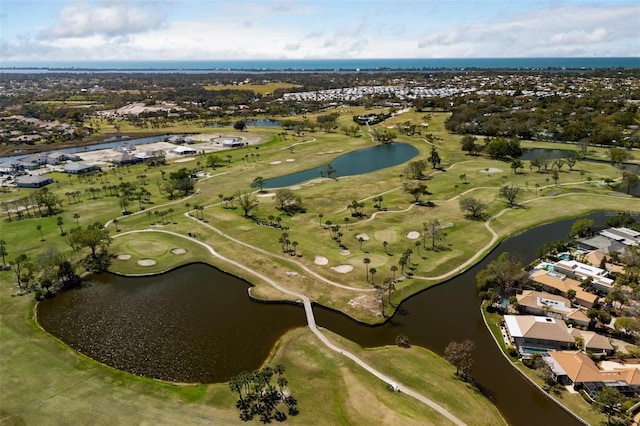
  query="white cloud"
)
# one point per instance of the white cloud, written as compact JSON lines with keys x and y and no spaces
{"x":109,"y":19}
{"x":560,"y":31}
{"x":288,"y":29}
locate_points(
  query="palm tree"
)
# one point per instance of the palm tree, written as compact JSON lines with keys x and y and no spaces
{"x":76,"y":216}
{"x":384,"y":245}
{"x":170,"y":211}
{"x":3,"y":251}
{"x":259,"y":181}
{"x":59,"y":222}
{"x":39,"y":228}
{"x":188,"y":206}
{"x":346,"y":223}
{"x":320,"y":216}
{"x":366,"y":262}
{"x":394,"y":268}
{"x":149,"y":217}
{"x":360,"y":240}
{"x":295,"y":245}
{"x":115,"y":223}
{"x":373,"y":271}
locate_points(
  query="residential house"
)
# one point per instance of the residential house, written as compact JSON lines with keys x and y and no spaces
{"x":572,"y":268}
{"x":80,"y":168}
{"x":536,"y":334}
{"x":551,"y":305}
{"x":184,"y":150}
{"x":35,"y":181}
{"x":626,"y":236}
{"x":594,"y":343}
{"x":558,"y":283}
{"x":577,"y":369}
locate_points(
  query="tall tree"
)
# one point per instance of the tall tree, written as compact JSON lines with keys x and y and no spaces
{"x":60,"y":222}
{"x":19,"y":265}
{"x":510,"y":193}
{"x":607,"y":401}
{"x":3,"y":251}
{"x":473,"y":207}
{"x":459,"y":354}
{"x":433,"y":230}
{"x":434,"y":158}
{"x":416,"y":190}
{"x":504,"y":271}
{"x":48,"y":199}
{"x":259,"y":181}
{"x":247,"y":201}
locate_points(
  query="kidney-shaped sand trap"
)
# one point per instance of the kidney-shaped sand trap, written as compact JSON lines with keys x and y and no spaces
{"x":413,"y":235}
{"x":320,"y":260}
{"x":146,"y":262}
{"x":343,"y":269}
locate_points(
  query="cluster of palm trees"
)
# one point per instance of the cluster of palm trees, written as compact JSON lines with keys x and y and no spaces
{"x":287,"y":246}
{"x":161,"y":216}
{"x":356,"y":208}
{"x":258,"y":397}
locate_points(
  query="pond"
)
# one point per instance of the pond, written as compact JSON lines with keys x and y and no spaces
{"x":530,"y":154}
{"x":263,"y":122}
{"x":179,"y":326}
{"x":353,"y":163}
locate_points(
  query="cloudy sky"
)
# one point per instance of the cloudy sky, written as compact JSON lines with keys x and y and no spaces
{"x":74,"y":30}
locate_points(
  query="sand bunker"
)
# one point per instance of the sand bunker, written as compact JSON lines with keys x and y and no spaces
{"x":146,"y":262}
{"x":492,"y":170}
{"x":275,"y":162}
{"x":364,"y":237}
{"x":320,"y":260}
{"x":413,"y":235}
{"x":345,"y":252}
{"x":293,"y":188}
{"x":268,"y":194}
{"x":178,"y":251}
{"x":290,"y":160}
{"x":343,"y":269}
{"x":124,"y":257}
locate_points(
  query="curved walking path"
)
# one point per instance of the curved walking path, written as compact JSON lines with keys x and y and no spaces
{"x":311,"y":322}
{"x":272,"y":255}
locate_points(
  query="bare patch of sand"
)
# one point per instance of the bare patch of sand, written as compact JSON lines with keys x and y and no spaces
{"x":364,"y":237}
{"x":293,"y":188}
{"x":491,"y":170}
{"x":345,"y":252}
{"x":178,"y":251}
{"x":320,"y":260}
{"x":413,"y":235}
{"x":342,"y":269}
{"x":124,"y":256}
{"x":268,"y":194}
{"x":146,"y":262}
{"x":365,"y":302}
{"x":290,"y":160}
{"x":275,"y":162}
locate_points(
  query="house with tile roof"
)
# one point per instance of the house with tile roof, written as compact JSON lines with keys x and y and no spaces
{"x":594,"y":343}
{"x":535,"y":334}
{"x":551,"y":305}
{"x":555,"y":282}
{"x":577,"y":369}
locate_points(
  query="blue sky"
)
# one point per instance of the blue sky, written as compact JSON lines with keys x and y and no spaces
{"x":75,"y":30}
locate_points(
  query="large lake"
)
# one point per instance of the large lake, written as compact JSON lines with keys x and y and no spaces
{"x":197,"y":324}
{"x":353,"y":163}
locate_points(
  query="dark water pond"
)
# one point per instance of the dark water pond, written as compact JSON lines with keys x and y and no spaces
{"x":263,"y":122}
{"x":530,"y":154}
{"x":353,"y":163}
{"x":197,"y":324}
{"x":193,"y":324}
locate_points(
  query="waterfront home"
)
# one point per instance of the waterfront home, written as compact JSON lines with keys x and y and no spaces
{"x":581,"y":271}
{"x":551,"y":305}
{"x":535,"y":334}
{"x":35,"y":181}
{"x":575,"y":368}
{"x":559,"y":283}
{"x":594,"y":343}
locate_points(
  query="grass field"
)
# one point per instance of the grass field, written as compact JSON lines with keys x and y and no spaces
{"x":261,"y":89}
{"x":40,"y":375}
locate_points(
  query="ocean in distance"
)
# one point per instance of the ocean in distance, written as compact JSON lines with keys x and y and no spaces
{"x":311,"y":65}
